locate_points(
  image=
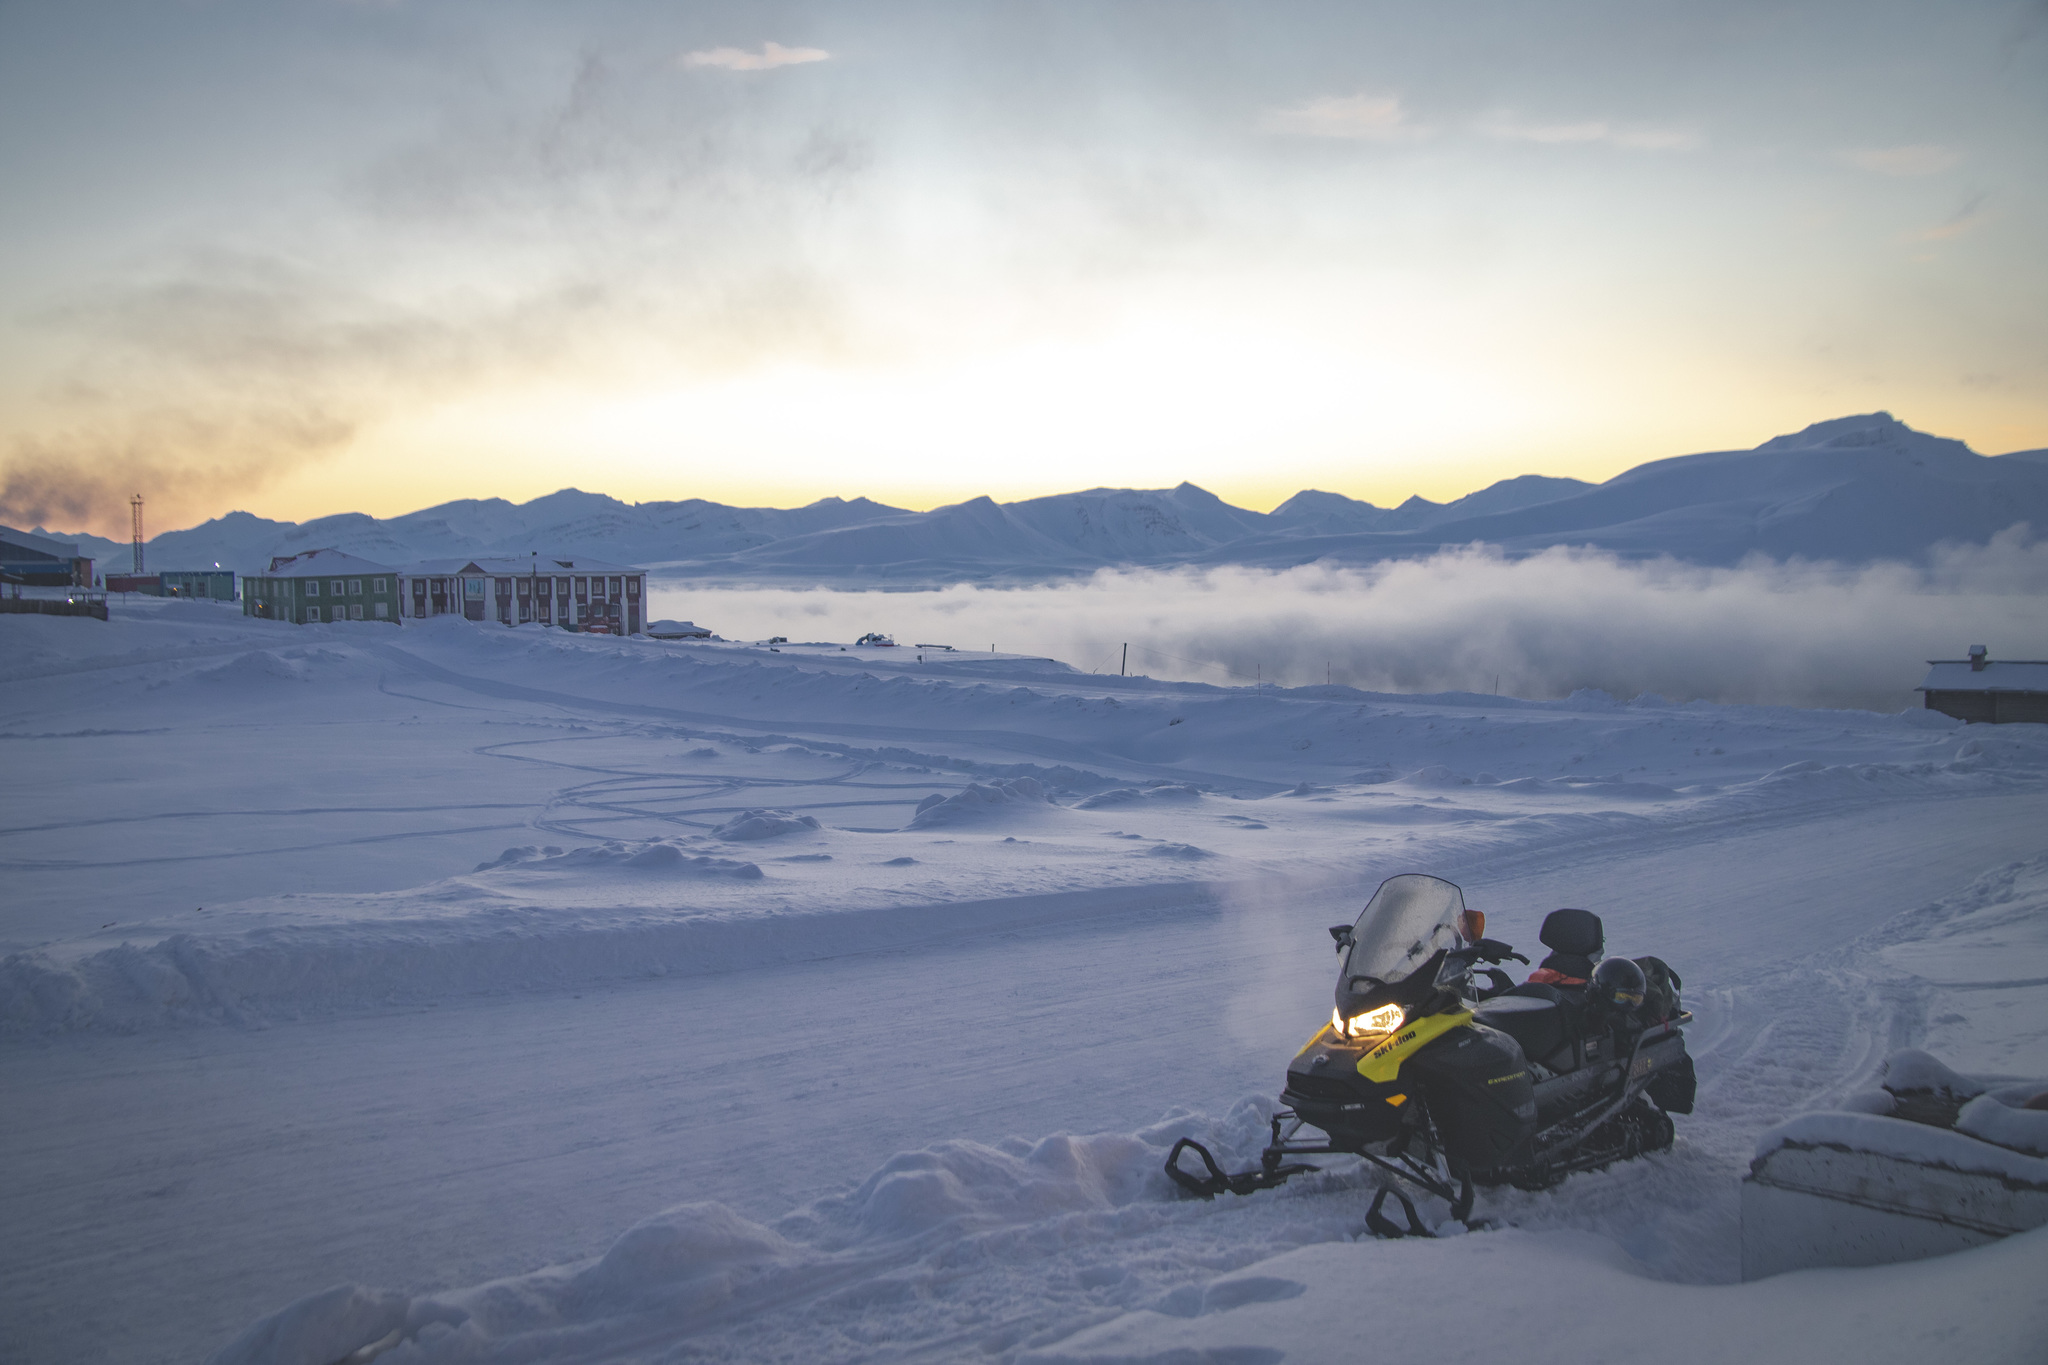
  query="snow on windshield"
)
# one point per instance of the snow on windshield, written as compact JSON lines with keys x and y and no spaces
{"x":1408,"y":919}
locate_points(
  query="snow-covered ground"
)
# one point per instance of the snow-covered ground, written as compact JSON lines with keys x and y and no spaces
{"x":434,"y":960}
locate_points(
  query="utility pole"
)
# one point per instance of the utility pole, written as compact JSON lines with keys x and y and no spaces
{"x":1123,"y":669}
{"x":135,"y":518}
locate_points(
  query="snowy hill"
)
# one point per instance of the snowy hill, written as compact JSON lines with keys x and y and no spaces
{"x":1854,"y":489}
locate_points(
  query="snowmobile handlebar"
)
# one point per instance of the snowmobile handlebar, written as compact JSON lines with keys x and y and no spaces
{"x":1493,"y":950}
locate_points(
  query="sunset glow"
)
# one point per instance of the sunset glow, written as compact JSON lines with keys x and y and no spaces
{"x":345,"y":257}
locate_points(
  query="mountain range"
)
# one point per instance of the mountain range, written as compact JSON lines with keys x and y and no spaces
{"x":1852,"y":490}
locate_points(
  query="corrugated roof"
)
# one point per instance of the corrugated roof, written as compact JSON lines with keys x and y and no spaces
{"x":2000,"y":675}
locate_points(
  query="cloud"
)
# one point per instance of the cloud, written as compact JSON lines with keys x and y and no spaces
{"x":1362,"y":118}
{"x":1964,"y":219}
{"x":1924,"y":158}
{"x":205,"y":384}
{"x":1543,"y":626}
{"x":1512,"y":128}
{"x":770,"y":56}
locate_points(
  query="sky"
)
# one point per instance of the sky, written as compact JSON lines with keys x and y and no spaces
{"x":301,"y":257}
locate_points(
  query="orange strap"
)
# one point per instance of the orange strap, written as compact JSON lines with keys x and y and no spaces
{"x":1544,"y":976}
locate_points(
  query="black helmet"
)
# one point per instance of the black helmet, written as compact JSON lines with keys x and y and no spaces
{"x":1617,"y":985}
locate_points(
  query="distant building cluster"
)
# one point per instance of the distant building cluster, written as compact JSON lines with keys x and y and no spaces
{"x":327,"y":585}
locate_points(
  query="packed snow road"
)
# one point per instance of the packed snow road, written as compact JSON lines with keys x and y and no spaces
{"x":441,"y":1147}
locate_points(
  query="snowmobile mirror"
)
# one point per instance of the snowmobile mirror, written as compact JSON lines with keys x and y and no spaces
{"x":1471,"y":925}
{"x":1342,"y":933}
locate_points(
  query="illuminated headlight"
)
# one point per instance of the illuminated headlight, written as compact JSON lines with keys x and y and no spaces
{"x":1385,"y":1019}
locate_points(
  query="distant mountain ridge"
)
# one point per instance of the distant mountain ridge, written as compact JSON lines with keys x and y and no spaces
{"x":1853,"y":489}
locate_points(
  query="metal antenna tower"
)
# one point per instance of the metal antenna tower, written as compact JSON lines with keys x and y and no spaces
{"x":135,"y":510}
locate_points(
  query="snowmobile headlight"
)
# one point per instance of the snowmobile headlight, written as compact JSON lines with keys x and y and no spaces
{"x":1385,"y":1019}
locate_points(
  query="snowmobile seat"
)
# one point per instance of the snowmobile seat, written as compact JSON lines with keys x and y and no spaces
{"x":1577,"y":940}
{"x":1536,"y":1021}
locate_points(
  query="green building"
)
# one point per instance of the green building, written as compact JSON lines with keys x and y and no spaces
{"x":320,"y":586}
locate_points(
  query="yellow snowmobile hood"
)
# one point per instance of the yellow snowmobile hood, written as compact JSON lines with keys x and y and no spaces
{"x":1383,"y":1063}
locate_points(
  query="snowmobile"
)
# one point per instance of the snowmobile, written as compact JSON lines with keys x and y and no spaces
{"x":1447,"y":1076}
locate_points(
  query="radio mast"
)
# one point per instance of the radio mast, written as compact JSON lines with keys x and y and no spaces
{"x":135,"y":510}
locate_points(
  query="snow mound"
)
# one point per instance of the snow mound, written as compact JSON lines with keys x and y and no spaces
{"x":658,"y":855}
{"x":320,"y":1329}
{"x":978,"y":803}
{"x":962,"y":1186}
{"x":1909,"y":1071}
{"x":2014,"y":1116}
{"x":664,"y":1276}
{"x":695,"y":1247}
{"x":1186,"y":852}
{"x":1166,"y":793}
{"x":764,"y":824}
{"x":257,"y":668}
{"x":523,"y":853}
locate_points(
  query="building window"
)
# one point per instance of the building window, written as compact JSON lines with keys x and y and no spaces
{"x":355,"y":587}
{"x":383,"y":611}
{"x":334,"y":588}
{"x":525,"y":587}
{"x":355,"y":613}
{"x":380,"y":585}
{"x":312,"y":587}
{"x":473,"y":587}
{"x":312,"y":616}
{"x":632,"y":587}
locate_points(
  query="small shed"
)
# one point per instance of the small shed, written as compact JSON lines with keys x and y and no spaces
{"x":1981,"y":690}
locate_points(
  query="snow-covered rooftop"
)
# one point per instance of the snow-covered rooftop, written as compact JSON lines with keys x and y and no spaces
{"x":1999,"y":675}
{"x":517,"y":565}
{"x":312,"y":563}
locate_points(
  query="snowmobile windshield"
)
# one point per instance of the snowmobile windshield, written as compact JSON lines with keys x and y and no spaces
{"x":1409,"y":919}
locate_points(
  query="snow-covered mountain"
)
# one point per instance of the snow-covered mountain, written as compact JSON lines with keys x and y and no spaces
{"x":1854,"y":489}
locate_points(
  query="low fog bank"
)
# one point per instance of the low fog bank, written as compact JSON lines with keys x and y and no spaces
{"x":1764,"y":632}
